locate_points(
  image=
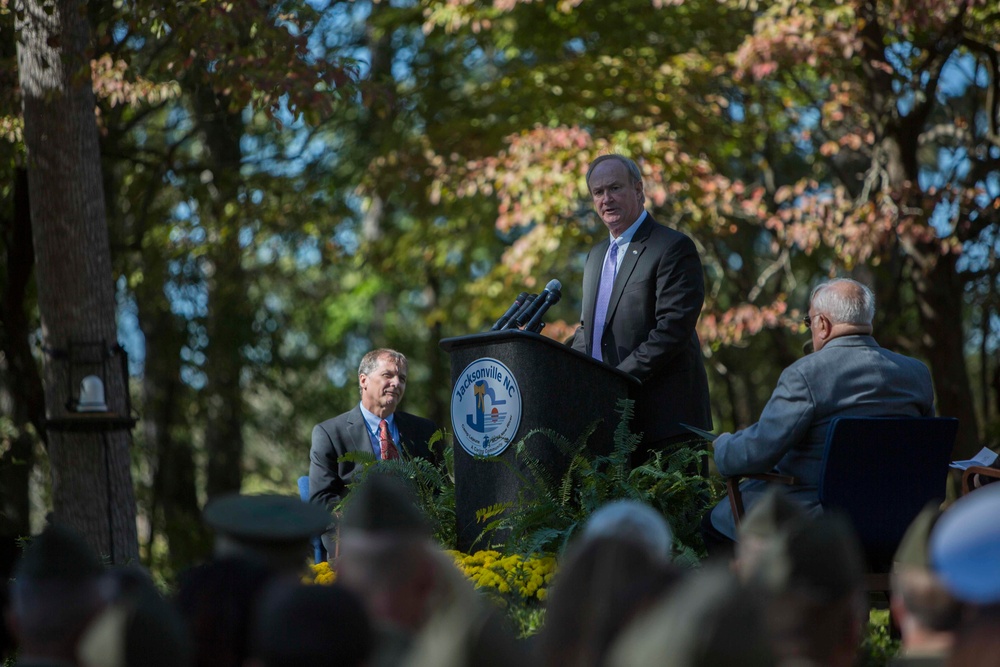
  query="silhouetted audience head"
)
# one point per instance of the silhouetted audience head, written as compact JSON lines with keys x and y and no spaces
{"x":387,"y":555}
{"x":977,"y":640}
{"x":424,"y":610}
{"x":603,"y":583}
{"x":813,"y":577}
{"x":138,"y":628}
{"x":709,"y":620}
{"x":217,"y":600}
{"x":301,"y":625}
{"x":926,"y":613}
{"x":634,"y":521}
{"x":965,"y":547}
{"x":56,"y":591}
{"x":762,"y":526}
{"x":965,"y":554}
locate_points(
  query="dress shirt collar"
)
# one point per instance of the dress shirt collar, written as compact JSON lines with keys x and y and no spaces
{"x":624,"y":239}
{"x":372,"y":420}
{"x":852,"y":340}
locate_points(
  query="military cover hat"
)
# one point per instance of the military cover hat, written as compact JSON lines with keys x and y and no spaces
{"x":266,"y":517}
{"x":268,"y":527}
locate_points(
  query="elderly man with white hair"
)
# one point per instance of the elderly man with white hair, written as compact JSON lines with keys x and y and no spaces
{"x":847,"y":374}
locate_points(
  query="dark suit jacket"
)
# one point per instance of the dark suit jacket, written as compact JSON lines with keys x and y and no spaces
{"x":345,"y":433}
{"x":650,"y":328}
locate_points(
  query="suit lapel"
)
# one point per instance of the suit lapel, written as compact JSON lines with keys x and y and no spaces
{"x":359,"y":440}
{"x":592,"y":274}
{"x":400,"y":420}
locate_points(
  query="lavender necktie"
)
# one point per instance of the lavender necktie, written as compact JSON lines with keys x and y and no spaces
{"x":603,"y":297}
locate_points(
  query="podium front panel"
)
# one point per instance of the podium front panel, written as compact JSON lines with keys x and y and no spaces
{"x":560,"y":390}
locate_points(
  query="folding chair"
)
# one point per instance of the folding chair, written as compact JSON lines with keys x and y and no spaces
{"x":879,"y":471}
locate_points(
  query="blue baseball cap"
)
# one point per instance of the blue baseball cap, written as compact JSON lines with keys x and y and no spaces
{"x":965,"y":546}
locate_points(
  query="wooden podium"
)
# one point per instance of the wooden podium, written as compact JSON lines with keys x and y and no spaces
{"x":504,"y":385}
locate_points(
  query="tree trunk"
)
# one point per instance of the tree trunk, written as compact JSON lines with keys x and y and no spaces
{"x":229,"y":318}
{"x":174,"y":511}
{"x":21,"y":394}
{"x":940,"y":298}
{"x":228,"y":330}
{"x":937,"y":285}
{"x":91,"y":478}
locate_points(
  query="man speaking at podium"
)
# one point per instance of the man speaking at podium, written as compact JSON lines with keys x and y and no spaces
{"x":643,"y":290}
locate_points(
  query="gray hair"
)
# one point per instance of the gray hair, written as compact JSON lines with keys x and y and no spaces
{"x":844,"y":301}
{"x":633,"y":169}
{"x":633,"y":521}
{"x":370,"y":361}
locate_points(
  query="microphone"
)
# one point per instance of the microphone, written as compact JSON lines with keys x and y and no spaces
{"x":512,"y":322}
{"x":551,"y":298}
{"x":510,"y":311}
{"x":553,"y":287}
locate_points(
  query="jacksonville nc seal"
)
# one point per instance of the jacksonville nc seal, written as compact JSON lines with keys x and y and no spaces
{"x":485,"y":407}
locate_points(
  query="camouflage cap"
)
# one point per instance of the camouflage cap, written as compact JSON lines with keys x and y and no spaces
{"x":820,"y":555}
{"x":914,"y":548}
{"x":383,"y":503}
{"x":771,"y":514}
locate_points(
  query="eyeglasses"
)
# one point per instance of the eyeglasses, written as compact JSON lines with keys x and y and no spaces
{"x":807,"y":321}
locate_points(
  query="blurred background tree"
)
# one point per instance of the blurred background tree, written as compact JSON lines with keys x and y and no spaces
{"x":290,"y":186}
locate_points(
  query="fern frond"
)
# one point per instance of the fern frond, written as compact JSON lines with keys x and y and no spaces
{"x":491,"y":511}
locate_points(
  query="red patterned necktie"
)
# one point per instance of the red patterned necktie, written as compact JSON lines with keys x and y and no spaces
{"x":385,"y":442}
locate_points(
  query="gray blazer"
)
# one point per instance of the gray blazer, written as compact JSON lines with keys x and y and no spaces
{"x":650,"y":328}
{"x":850,"y":376}
{"x":328,"y":477}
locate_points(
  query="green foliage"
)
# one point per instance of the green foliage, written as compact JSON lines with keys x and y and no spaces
{"x":526,"y":620}
{"x":552,"y":507}
{"x":433,"y":483}
{"x":668,"y":483}
{"x":878,"y":647}
{"x":417,"y":207}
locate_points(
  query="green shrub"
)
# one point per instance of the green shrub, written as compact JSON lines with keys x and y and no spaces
{"x":550,"y":508}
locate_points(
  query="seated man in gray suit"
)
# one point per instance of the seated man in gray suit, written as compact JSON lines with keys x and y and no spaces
{"x":374,"y":426}
{"x":847,"y":374}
